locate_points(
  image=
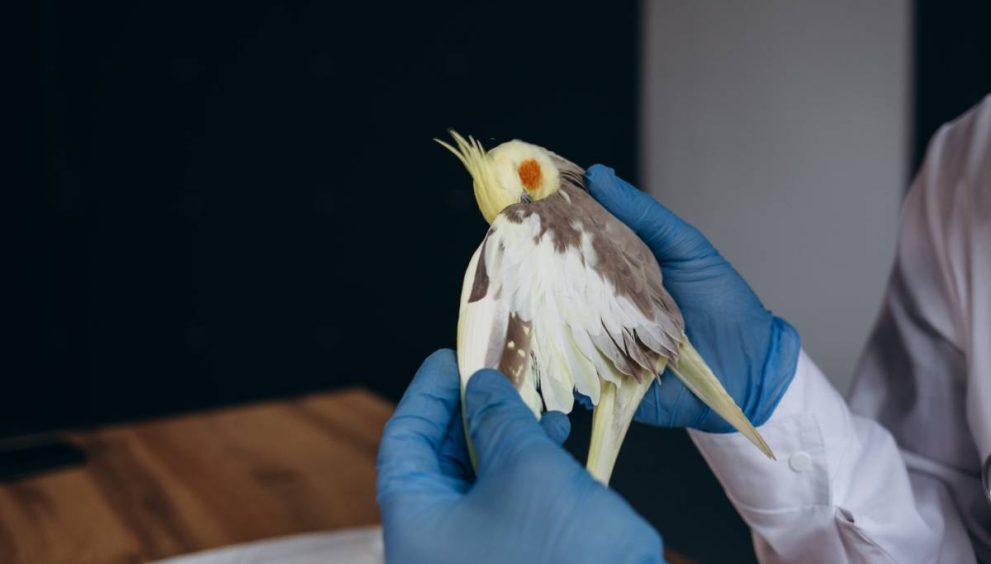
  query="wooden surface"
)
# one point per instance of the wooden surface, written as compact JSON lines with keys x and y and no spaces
{"x":168,"y":487}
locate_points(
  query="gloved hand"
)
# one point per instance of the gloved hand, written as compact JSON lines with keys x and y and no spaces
{"x":750,"y":350}
{"x":531,"y":501}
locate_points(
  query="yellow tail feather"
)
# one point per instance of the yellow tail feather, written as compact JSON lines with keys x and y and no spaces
{"x":696,"y":375}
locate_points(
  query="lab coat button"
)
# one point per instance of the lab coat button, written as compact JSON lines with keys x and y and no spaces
{"x":800,"y":461}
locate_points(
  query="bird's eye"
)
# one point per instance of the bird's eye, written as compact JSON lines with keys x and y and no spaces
{"x":530,"y":174}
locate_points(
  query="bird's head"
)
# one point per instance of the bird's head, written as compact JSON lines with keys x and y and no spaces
{"x":511,"y":173}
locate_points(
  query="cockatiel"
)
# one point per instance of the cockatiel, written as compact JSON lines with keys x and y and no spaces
{"x":562,"y":296}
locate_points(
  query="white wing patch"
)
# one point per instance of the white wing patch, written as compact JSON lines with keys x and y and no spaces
{"x":577,"y":320}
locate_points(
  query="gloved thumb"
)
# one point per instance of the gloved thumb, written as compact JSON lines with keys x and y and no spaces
{"x":501,"y":425}
{"x":666,"y":234}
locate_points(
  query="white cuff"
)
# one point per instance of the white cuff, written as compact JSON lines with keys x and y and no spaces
{"x":804,"y":448}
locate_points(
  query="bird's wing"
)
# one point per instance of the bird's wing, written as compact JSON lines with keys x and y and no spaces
{"x":559,"y":294}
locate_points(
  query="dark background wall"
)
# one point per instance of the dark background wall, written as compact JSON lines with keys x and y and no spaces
{"x":952,"y":64}
{"x":242,"y":200}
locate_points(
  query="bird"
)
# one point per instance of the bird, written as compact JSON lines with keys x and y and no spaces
{"x":561,"y":296}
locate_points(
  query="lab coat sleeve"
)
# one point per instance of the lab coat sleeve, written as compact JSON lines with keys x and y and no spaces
{"x":839,"y":490}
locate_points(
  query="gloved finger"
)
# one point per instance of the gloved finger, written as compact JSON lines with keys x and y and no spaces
{"x":454,"y":460}
{"x":556,"y":425}
{"x":412,"y":436}
{"x":501,"y":425}
{"x":668,"y":403}
{"x":584,"y":400}
{"x":666,"y":234}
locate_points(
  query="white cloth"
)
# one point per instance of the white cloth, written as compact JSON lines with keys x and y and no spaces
{"x":348,"y":546}
{"x":894,"y":476}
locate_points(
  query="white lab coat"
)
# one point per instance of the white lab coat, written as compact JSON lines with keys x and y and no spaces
{"x":895,"y":475}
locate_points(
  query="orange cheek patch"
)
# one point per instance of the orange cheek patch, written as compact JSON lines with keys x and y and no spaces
{"x":529,"y":171}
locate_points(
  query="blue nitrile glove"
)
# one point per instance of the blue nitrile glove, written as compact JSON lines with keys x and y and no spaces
{"x":531,"y":501}
{"x":750,"y":350}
